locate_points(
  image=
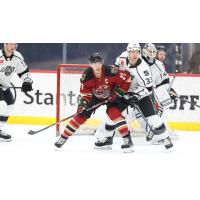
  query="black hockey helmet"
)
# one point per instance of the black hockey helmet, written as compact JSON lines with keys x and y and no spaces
{"x":95,"y":57}
{"x":161,"y":48}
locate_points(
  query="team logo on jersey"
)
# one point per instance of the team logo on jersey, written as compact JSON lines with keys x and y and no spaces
{"x":122,"y":62}
{"x":8,"y":70}
{"x":102,"y":92}
{"x":146,"y":73}
{"x":1,"y":61}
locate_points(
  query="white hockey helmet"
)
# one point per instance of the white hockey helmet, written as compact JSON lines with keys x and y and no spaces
{"x":149,"y":51}
{"x":16,"y":45}
{"x":133,"y":47}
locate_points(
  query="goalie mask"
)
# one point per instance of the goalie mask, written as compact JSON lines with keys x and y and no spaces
{"x":149,"y":52}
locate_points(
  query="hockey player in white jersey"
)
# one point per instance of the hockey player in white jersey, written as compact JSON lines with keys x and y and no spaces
{"x":11,"y":61}
{"x":142,"y":85}
{"x":164,"y":93}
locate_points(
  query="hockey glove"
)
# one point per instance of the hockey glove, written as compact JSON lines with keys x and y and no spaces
{"x":83,"y":105}
{"x":112,"y":97}
{"x":27,"y":85}
{"x":132,"y":99}
{"x":173,"y":94}
{"x":117,"y":92}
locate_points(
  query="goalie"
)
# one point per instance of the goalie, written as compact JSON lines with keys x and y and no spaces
{"x":100,"y":83}
{"x":163,"y":93}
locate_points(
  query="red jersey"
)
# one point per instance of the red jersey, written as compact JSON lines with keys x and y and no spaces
{"x":102,"y":87}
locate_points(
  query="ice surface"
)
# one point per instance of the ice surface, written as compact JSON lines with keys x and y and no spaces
{"x":31,"y":168}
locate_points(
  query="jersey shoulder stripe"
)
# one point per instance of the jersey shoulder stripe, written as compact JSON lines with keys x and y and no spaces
{"x":18,"y":55}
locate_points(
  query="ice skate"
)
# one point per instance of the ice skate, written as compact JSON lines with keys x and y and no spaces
{"x":105,"y":143}
{"x":127,"y":147}
{"x":4,"y":137}
{"x":168,"y":143}
{"x":61,"y":141}
{"x":149,"y":136}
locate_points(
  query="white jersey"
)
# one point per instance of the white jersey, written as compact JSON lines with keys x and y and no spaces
{"x":160,"y":83}
{"x":11,"y":65}
{"x":141,"y":73}
{"x":159,"y":74}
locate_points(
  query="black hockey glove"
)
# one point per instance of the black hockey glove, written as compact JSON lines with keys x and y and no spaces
{"x":112,"y":97}
{"x":173,"y":94}
{"x":27,"y":85}
{"x":83,"y":105}
{"x":132,"y":99}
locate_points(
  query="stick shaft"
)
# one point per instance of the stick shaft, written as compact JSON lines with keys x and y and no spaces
{"x":62,"y":120}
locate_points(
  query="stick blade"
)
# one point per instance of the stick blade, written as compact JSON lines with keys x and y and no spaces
{"x":31,"y":132}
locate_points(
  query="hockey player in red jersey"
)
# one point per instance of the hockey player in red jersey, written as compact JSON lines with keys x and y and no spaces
{"x":98,"y":84}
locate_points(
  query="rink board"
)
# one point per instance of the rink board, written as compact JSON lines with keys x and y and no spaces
{"x":39,"y":106}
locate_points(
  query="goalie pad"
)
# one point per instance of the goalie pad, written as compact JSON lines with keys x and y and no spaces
{"x":163,"y":97}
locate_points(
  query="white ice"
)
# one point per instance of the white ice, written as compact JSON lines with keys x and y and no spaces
{"x":31,"y":168}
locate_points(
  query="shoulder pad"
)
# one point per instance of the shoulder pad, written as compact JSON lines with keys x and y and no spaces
{"x":124,"y":54}
{"x":159,"y":63}
{"x":87,"y":75}
{"x":120,"y":62}
{"x":111,"y":70}
{"x":18,"y":55}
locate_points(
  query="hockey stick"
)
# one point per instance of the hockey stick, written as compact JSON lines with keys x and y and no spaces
{"x":155,"y":132}
{"x":31,"y":132}
{"x":172,"y":81}
{"x":11,"y":87}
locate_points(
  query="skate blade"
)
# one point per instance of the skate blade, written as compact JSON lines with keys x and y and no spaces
{"x":156,"y":142}
{"x":169,"y":148}
{"x":5,"y":140}
{"x":107,"y":147}
{"x":128,"y":150}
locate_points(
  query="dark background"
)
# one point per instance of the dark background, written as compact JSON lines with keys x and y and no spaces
{"x":49,"y":55}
